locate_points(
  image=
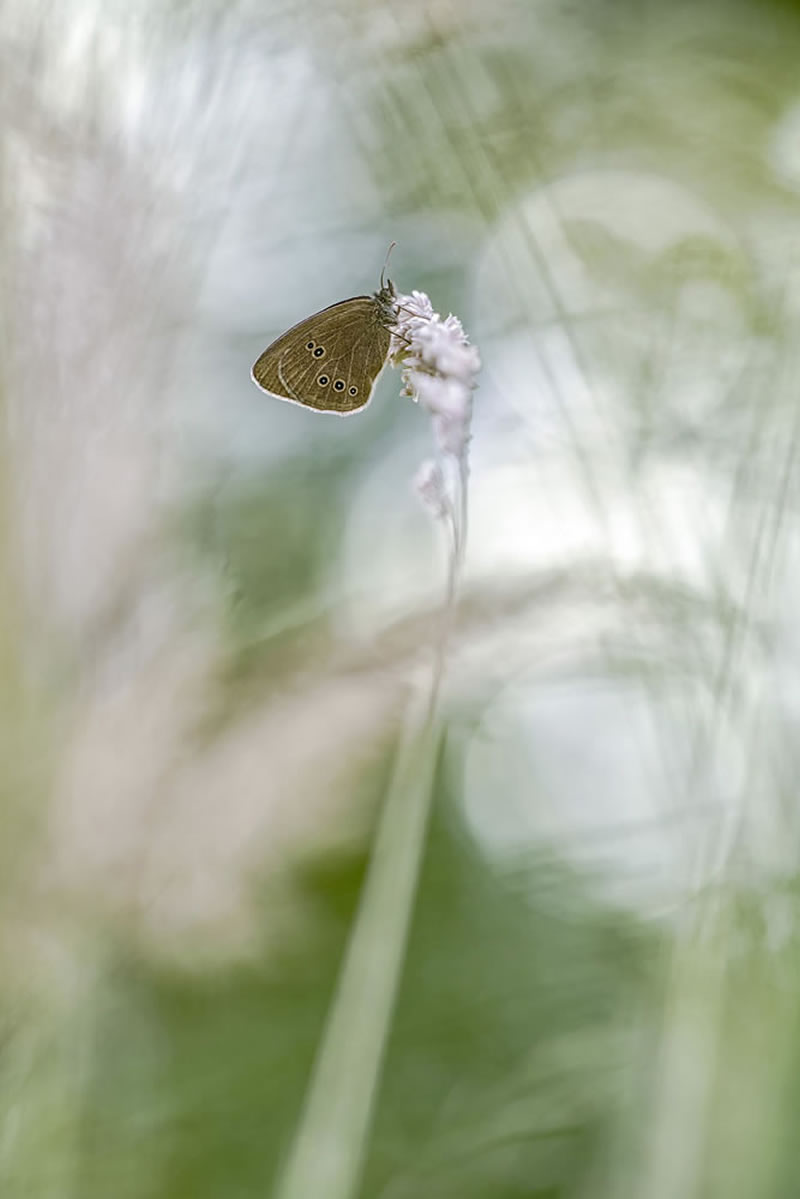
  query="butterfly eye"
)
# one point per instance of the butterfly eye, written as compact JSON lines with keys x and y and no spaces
{"x":310,"y":345}
{"x":353,"y":391}
{"x":323,"y":380}
{"x":338,"y":385}
{"x":319,"y":352}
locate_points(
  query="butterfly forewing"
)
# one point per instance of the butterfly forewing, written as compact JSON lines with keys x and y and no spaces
{"x":331,"y":360}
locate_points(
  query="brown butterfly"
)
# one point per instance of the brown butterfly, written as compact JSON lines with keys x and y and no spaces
{"x":331,"y":360}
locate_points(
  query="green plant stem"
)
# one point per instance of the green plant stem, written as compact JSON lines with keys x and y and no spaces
{"x":327,"y":1155}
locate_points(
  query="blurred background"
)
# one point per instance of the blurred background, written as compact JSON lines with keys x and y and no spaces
{"x":214,"y":604}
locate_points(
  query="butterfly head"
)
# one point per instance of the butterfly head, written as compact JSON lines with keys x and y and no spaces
{"x":386,"y":300}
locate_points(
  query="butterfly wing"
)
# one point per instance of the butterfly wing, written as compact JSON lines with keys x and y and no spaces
{"x":331,"y":360}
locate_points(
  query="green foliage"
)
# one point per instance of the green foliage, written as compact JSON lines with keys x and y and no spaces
{"x":507,"y":1059}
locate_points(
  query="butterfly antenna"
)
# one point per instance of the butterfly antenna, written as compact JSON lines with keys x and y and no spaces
{"x":386,"y":263}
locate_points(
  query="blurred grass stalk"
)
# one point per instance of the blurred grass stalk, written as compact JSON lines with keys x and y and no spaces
{"x":721,"y":1114}
{"x":329,"y":1147}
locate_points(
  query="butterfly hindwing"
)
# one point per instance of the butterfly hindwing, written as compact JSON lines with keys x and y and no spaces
{"x":331,"y":360}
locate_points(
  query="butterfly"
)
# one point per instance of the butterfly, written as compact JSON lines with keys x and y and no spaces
{"x":331,"y":361}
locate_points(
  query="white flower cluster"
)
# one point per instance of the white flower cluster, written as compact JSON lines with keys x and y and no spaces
{"x":439,"y":369}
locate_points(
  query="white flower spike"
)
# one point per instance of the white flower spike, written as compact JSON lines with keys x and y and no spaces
{"x":439,"y":372}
